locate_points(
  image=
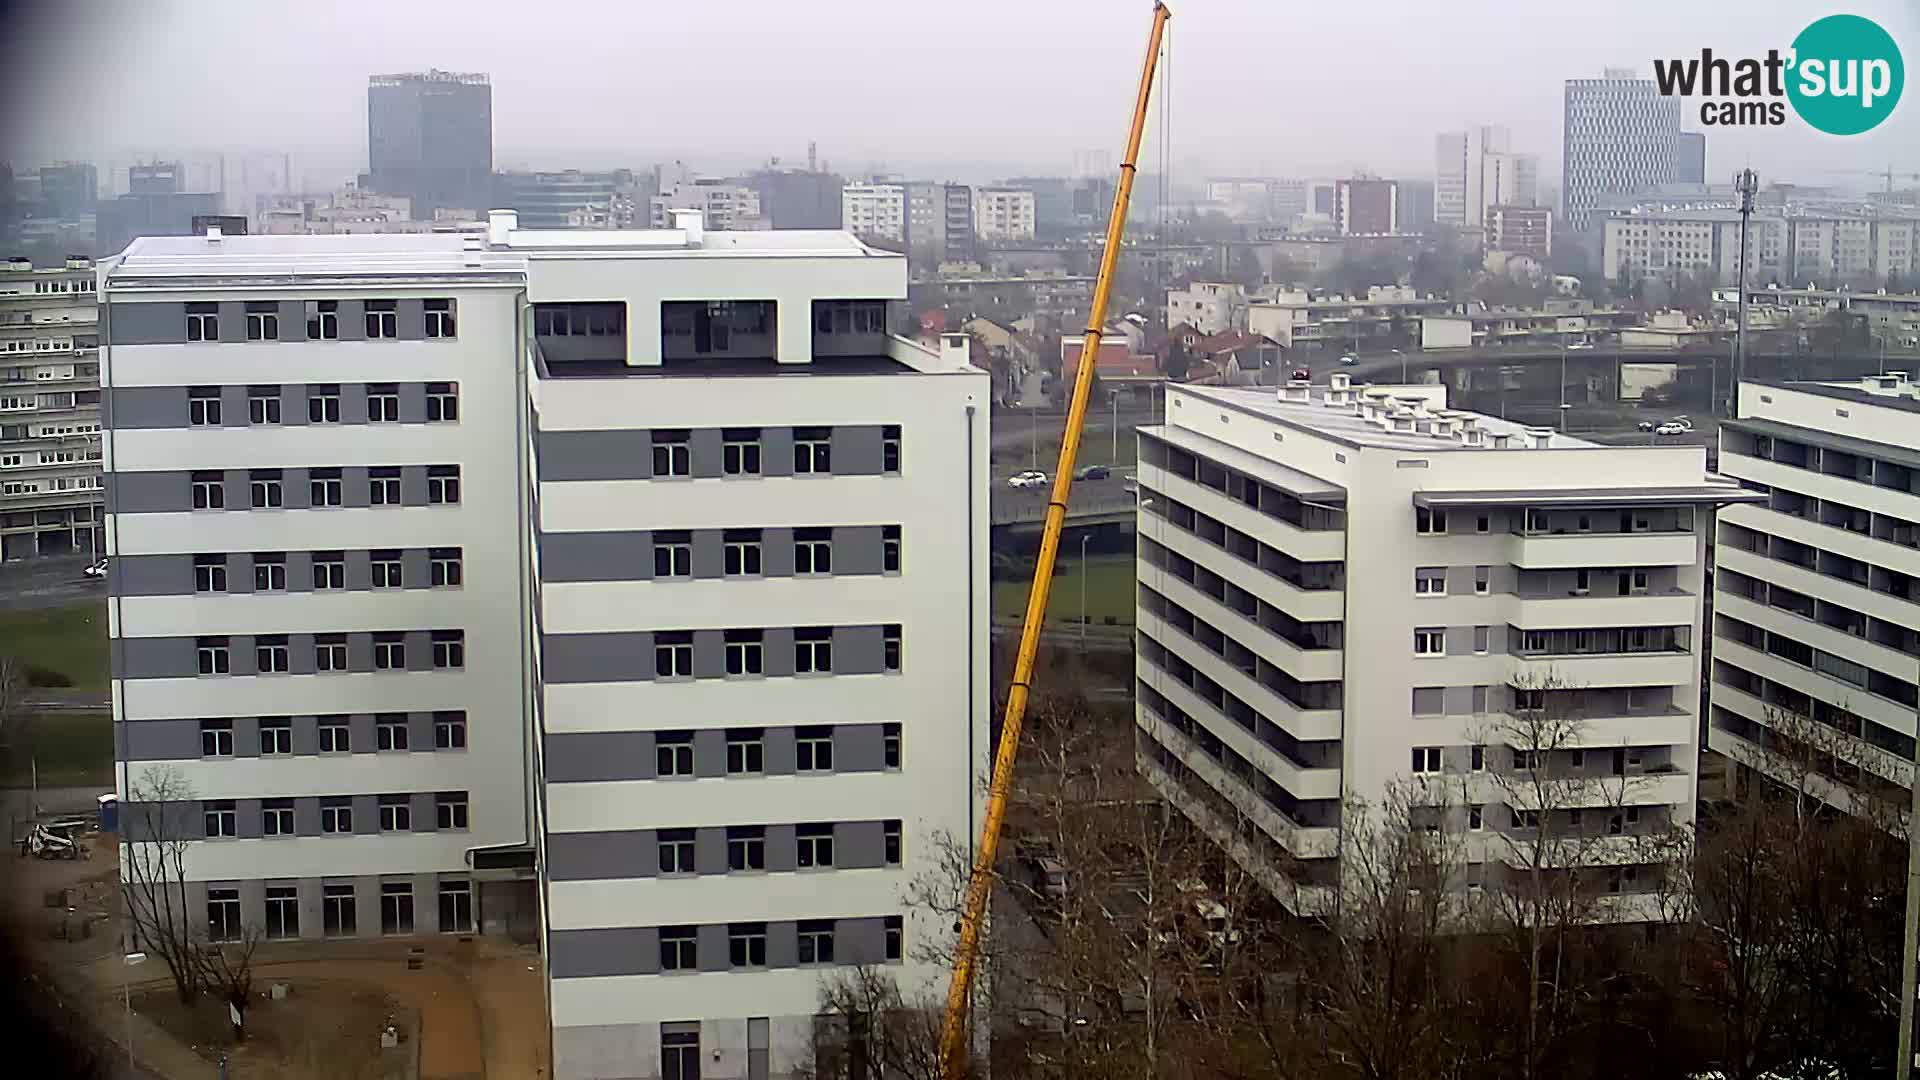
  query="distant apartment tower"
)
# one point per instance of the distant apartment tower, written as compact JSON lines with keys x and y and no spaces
{"x":960,"y":228}
{"x":726,"y":206}
{"x":69,"y":190}
{"x":1520,"y":230}
{"x":158,"y":178}
{"x":1366,"y":207}
{"x":153,"y":206}
{"x":430,"y":138}
{"x":1817,"y":589}
{"x":558,"y":200}
{"x":1621,"y":136}
{"x":50,"y":488}
{"x":1691,"y":165}
{"x":1352,"y":590}
{"x":875,"y":210}
{"x":1476,"y":169}
{"x":798,"y":199}
{"x":1833,"y":248}
{"x":1416,"y":205}
{"x":1003,"y":214}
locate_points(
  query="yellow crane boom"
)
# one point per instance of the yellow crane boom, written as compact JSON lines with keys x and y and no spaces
{"x":953,"y":1031}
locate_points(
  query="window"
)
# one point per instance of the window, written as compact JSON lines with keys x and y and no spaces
{"x":673,"y":654}
{"x":1429,"y":641}
{"x":209,"y":573}
{"x":675,"y":849}
{"x":1537,"y":521}
{"x":1528,"y":760}
{"x":209,"y":492}
{"x":813,"y":749}
{"x":813,"y":551}
{"x":1429,"y":581}
{"x":444,"y":567}
{"x":890,"y":549}
{"x":1525,"y":819}
{"x":673,"y":754}
{"x":450,"y":810}
{"x":383,"y":319}
{"x":443,"y":484}
{"x":385,"y":566}
{"x":740,"y":451}
{"x":1429,"y":522}
{"x":449,"y":650}
{"x":203,"y":406}
{"x":678,"y":951}
{"x":389,"y":651}
{"x":212,"y":654}
{"x":1476,"y":818}
{"x":891,"y":841}
{"x":263,"y":404}
{"x":439,"y":318}
{"x":812,"y":450}
{"x":816,"y":941}
{"x":383,"y":486}
{"x":383,"y":403}
{"x":1482,"y":523}
{"x":449,"y":731}
{"x":216,"y":738}
{"x":1582,"y":582}
{"x":336,"y":910}
{"x":269,"y":571}
{"x":223,"y":914}
{"x":679,"y":1052}
{"x":220,"y":818}
{"x":747,"y":945}
{"x":1529,"y":699}
{"x":390,"y":731}
{"x":890,"y":449}
{"x":1637,"y":583}
{"x":890,"y":745}
{"x":1478,"y":702}
{"x":276,"y":817}
{"x":443,"y":402}
{"x":396,"y":813}
{"x":336,"y":736}
{"x":329,"y":570}
{"x":813,"y":650}
{"x":324,"y":487}
{"x":816,"y":846}
{"x":323,"y":320}
{"x":742,"y":555}
{"x":1482,"y":640}
{"x":1479,"y":758}
{"x":263,"y":489}
{"x":744,"y":652}
{"x":672,"y":554}
{"x":672,"y":454}
{"x":746,"y":847}
{"x":276,"y":736}
{"x":203,"y":322}
{"x":396,"y":907}
{"x":456,"y":907}
{"x":746,"y":752}
{"x":1482,"y":580}
{"x":323,"y":403}
{"x":1426,"y":759}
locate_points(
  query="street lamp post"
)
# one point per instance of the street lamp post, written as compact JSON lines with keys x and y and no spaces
{"x":127,"y":964}
{"x":1115,"y":459}
{"x":1084,"y":537}
{"x":1033,"y":433}
{"x":1563,"y":384}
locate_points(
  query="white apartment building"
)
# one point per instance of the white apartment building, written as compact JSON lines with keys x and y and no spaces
{"x":1210,"y":307}
{"x":1795,"y":248}
{"x":724,"y":206}
{"x":1349,"y":588}
{"x":558,"y":565}
{"x":1621,"y":136}
{"x":1817,"y":589}
{"x":1477,"y":169}
{"x":50,"y":489}
{"x":1003,"y":215}
{"x":876,"y":210}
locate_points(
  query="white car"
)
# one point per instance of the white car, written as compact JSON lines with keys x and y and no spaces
{"x":97,"y":570}
{"x":1671,"y":428}
{"x":1349,"y":360}
{"x":1031,"y":478}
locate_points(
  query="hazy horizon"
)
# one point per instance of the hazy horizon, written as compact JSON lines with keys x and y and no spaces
{"x":990,"y":89}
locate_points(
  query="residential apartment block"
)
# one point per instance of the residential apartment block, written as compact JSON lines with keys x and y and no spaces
{"x":1003,"y":214}
{"x":1817,"y":589}
{"x":1621,"y":136}
{"x":1348,"y":590}
{"x":1794,"y":248}
{"x":50,"y":494}
{"x":875,"y":210}
{"x":626,"y":589}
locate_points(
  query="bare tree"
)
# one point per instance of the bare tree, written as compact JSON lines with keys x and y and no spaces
{"x":227,"y":971}
{"x":866,"y":1030}
{"x":155,"y":831}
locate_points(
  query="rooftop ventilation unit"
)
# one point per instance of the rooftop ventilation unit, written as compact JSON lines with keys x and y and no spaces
{"x":1297,"y":390}
{"x":1541,"y":437}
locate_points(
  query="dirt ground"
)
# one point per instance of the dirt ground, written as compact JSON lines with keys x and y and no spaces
{"x":474,"y":1008}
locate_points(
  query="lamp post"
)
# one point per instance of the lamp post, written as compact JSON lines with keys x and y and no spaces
{"x":1563,"y":384}
{"x":1903,"y":1064}
{"x":127,"y":964}
{"x":1084,"y":537}
{"x":1115,"y":458}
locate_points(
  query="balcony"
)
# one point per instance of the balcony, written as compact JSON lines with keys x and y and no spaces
{"x":1574,"y":550}
{"x":1306,"y":725}
{"x":1607,"y":669}
{"x":1301,"y":781}
{"x":1306,"y":545}
{"x":1605,"y":607}
{"x":1307,"y":665}
{"x":1301,"y":899}
{"x":1303,"y":604}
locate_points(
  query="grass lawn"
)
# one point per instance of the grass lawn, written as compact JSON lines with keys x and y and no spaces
{"x":72,"y":749}
{"x":71,"y":640}
{"x":1109,"y":581}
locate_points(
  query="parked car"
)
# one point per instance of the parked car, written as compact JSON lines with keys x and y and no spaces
{"x":1671,"y":428}
{"x":1302,"y":373}
{"x":1684,"y":423}
{"x":1029,"y":478}
{"x":1579,"y":345}
{"x":1092,"y":472}
{"x":1646,"y":425}
{"x":97,"y":570}
{"x":1349,"y":360}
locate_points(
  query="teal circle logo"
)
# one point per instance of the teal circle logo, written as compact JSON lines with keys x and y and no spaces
{"x":1847,"y":75}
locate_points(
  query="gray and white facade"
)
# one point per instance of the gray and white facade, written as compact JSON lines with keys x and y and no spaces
{"x":1352,"y":590}
{"x":720,"y":616}
{"x":50,"y":487}
{"x":1817,"y":589}
{"x":1621,"y":136}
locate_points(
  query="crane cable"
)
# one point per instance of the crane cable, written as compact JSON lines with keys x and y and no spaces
{"x":954,"y":1027}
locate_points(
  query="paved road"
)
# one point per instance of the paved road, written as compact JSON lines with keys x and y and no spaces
{"x":43,"y":583}
{"x":1089,"y":496}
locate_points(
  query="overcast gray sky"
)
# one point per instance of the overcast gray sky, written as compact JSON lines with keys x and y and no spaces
{"x":969,"y":88}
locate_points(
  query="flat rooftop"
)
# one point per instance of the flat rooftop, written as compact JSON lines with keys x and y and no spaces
{"x":1853,"y":392}
{"x":1343,"y":425}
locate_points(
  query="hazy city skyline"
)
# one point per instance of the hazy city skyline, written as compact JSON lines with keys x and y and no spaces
{"x":1254,"y":88}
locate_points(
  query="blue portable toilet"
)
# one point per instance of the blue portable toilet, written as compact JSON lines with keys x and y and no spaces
{"x":109,"y":812}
